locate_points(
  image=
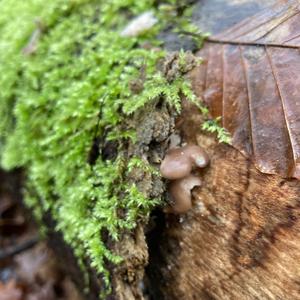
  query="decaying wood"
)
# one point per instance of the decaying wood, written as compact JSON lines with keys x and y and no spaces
{"x":240,"y":241}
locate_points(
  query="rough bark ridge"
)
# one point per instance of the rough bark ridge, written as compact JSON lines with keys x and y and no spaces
{"x":241,"y":240}
{"x":154,"y":125}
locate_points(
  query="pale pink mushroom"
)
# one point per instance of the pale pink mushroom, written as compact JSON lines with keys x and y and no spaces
{"x":177,"y":166}
{"x":179,"y":162}
{"x":181,"y":193}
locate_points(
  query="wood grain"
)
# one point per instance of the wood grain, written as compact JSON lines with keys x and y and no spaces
{"x":241,"y":240}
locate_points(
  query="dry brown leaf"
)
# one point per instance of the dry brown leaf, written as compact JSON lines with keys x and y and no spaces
{"x":37,"y":264}
{"x":250,"y":77}
{"x":44,"y":292}
{"x":10,"y":291}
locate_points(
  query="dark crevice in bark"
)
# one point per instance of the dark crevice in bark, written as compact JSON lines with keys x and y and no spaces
{"x":154,"y":238}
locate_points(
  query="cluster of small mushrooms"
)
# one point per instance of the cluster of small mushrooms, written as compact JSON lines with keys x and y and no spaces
{"x":178,"y":166}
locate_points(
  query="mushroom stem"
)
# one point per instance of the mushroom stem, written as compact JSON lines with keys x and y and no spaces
{"x":177,"y":166}
{"x":181,"y":193}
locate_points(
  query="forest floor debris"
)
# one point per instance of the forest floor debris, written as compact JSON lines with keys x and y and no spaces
{"x":28,"y":268}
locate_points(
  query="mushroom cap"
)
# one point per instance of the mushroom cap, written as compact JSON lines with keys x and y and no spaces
{"x":176,"y":164}
{"x":179,"y":162}
{"x":197,"y":154}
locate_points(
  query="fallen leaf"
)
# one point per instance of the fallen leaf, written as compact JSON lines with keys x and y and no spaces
{"x":45,"y":292}
{"x":28,"y":268}
{"x":10,"y":291}
{"x":32,"y":44}
{"x":250,"y":77}
{"x":139,"y":25}
{"x":39,"y":263}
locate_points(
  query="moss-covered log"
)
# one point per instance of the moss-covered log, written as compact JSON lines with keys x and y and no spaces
{"x":87,"y":110}
{"x":89,"y":113}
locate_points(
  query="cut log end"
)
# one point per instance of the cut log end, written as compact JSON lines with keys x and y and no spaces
{"x":241,"y":239}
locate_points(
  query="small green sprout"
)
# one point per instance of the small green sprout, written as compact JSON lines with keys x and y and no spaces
{"x":214,"y":127}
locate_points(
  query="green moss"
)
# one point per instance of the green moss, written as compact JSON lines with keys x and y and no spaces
{"x":213,"y":126}
{"x":76,"y":87}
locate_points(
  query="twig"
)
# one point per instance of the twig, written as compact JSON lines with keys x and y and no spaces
{"x":18,"y":248}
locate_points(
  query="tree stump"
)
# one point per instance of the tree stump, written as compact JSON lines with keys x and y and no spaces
{"x":240,"y":241}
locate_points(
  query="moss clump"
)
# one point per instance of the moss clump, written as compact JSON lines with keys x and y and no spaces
{"x":213,"y":126}
{"x":77,"y":87}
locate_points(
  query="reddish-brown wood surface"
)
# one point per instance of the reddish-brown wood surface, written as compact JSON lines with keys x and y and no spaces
{"x":241,"y":240}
